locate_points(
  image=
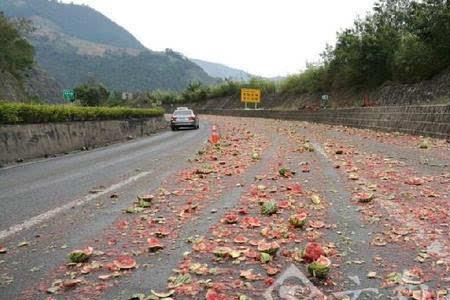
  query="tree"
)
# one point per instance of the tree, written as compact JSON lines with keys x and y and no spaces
{"x":430,"y":21}
{"x":195,"y":91}
{"x":402,"y":40}
{"x":414,"y":60}
{"x":16,"y":54}
{"x":115,"y":99}
{"x":91,"y":94}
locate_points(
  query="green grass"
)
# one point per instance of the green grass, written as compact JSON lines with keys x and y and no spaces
{"x":20,"y":113}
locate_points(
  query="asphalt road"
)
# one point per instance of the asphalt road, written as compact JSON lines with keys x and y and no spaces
{"x":62,"y":202}
{"x":31,"y":189}
{"x":50,"y":207}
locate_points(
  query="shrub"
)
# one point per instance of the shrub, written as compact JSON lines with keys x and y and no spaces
{"x":266,"y":86}
{"x":313,"y":80}
{"x":226,"y":89}
{"x":166,"y":97}
{"x":91,"y":94}
{"x":414,"y":60}
{"x":19,"y":113}
{"x":195,"y":92}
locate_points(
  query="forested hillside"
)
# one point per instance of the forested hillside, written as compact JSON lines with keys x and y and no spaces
{"x":16,"y":54}
{"x":78,"y":21}
{"x":76,"y":44}
{"x":20,"y":78}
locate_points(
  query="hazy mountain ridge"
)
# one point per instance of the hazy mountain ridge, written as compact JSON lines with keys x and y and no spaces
{"x":75,"y":43}
{"x":222,"y":71}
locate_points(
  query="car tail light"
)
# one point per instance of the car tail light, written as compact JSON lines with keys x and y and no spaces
{"x":174,"y":118}
{"x":192,"y":118}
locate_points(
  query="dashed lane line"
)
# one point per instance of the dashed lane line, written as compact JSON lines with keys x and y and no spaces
{"x":36,"y":220}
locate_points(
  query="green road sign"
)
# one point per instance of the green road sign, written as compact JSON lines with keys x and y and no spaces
{"x":324,"y":101}
{"x":69,"y":95}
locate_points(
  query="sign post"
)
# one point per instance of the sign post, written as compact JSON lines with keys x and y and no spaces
{"x":324,"y":102}
{"x":69,"y":95}
{"x":251,"y":96}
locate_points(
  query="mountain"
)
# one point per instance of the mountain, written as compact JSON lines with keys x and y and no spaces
{"x":75,"y":43}
{"x":20,"y":77}
{"x":39,"y":85}
{"x":78,"y":21}
{"x":33,"y":84}
{"x":222,"y":71}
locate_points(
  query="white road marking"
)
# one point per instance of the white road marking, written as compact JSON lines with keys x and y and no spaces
{"x":321,"y":151}
{"x":78,"y":202}
{"x":355,"y":279}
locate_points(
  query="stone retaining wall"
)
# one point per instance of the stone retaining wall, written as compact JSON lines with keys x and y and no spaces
{"x":427,"y":120}
{"x":28,"y":141}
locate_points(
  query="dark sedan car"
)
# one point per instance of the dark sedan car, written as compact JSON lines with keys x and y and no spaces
{"x":184,"y":118}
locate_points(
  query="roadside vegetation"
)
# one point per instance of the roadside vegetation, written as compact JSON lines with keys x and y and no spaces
{"x":196,"y":91}
{"x":91,"y":94}
{"x":16,"y":54}
{"x":400,"y":41}
{"x":19,"y":113}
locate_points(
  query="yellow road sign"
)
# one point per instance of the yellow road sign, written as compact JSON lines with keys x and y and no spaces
{"x":251,"y":95}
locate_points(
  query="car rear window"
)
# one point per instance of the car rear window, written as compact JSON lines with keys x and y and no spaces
{"x":183,"y":112}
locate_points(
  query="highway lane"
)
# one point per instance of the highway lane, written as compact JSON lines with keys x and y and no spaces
{"x":36,"y":188}
{"x":32,"y":189}
{"x":37,"y":257}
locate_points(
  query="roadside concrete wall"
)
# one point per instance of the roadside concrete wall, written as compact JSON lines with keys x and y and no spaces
{"x":28,"y":141}
{"x":426,"y":120}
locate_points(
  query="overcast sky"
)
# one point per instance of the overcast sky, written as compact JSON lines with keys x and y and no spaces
{"x":263,"y":37}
